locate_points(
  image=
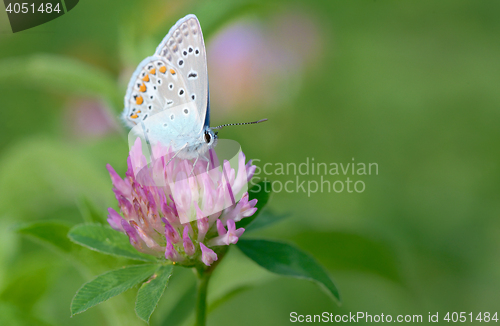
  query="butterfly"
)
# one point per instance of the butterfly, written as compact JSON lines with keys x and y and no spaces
{"x":168,"y":99}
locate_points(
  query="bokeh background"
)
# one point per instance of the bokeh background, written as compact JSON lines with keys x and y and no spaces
{"x":412,"y":86}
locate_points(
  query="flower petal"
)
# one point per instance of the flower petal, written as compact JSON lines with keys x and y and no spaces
{"x":189,"y":248}
{"x":208,"y":256}
{"x":115,"y":220}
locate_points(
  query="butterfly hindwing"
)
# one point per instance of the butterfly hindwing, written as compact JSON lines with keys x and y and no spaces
{"x":154,"y":87}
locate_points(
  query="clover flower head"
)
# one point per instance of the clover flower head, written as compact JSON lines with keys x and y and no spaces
{"x":175,"y":210}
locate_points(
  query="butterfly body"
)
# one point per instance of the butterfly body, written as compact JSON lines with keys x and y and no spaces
{"x":167,"y":98}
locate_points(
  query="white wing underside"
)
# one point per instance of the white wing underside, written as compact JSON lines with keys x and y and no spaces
{"x":167,"y":96}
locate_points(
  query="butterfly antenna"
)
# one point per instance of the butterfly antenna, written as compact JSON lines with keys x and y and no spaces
{"x":238,"y":124}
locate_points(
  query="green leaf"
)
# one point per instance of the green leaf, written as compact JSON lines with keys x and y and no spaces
{"x":284,"y":259}
{"x":106,"y":240}
{"x":265,"y":220}
{"x":61,"y":74}
{"x":151,"y":291}
{"x":50,"y":232}
{"x":262,"y":193}
{"x":54,"y":234}
{"x":108,"y":285}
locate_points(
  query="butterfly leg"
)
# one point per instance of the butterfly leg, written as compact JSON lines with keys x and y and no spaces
{"x":208,"y":162}
{"x":176,"y":153}
{"x":196,"y":161}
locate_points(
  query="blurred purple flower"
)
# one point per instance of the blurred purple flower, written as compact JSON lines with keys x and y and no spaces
{"x":251,"y":62}
{"x":158,"y":203}
{"x":88,"y":118}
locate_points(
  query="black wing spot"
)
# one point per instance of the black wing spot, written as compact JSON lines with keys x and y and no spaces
{"x":190,"y":49}
{"x":197,"y":52}
{"x":150,"y":107}
{"x":159,"y":81}
{"x":181,"y":92}
{"x":172,"y":117}
{"x":186,"y":111}
{"x":193,"y":96}
{"x":192,"y":75}
{"x":171,"y":86}
{"x":154,"y":87}
{"x":145,"y":116}
{"x":181,"y":62}
{"x":184,"y":53}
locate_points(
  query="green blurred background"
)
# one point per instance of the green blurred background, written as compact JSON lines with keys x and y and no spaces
{"x":412,"y":86}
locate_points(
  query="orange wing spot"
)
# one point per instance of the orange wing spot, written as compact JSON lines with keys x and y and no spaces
{"x":152,"y":71}
{"x":134,"y":116}
{"x":142,"y":88}
{"x":163,"y":69}
{"x":139,"y":100}
{"x":146,"y":78}
{"x":139,"y":111}
{"x":172,"y":71}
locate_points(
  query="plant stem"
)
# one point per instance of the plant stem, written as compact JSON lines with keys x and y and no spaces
{"x":201,"y":299}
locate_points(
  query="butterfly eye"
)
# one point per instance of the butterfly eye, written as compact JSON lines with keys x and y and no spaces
{"x":208,"y":138}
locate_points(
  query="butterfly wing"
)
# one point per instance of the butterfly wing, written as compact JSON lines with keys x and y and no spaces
{"x":157,"y":106}
{"x":154,"y":87}
{"x":167,"y":96}
{"x":184,"y":48}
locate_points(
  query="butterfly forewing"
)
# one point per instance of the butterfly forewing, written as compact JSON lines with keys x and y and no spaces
{"x":155,"y":86}
{"x":184,"y":48}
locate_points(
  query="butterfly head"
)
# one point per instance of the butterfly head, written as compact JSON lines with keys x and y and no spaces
{"x":210,"y":137}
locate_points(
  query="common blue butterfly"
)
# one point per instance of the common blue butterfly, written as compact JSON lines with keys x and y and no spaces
{"x":167,"y":99}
